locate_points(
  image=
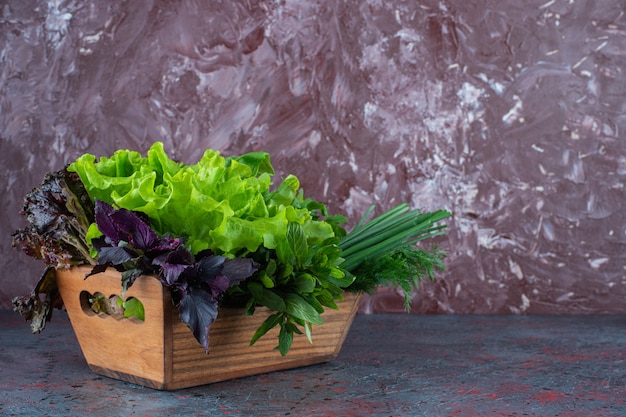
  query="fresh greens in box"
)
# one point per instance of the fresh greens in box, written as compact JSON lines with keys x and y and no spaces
{"x":216,"y":233}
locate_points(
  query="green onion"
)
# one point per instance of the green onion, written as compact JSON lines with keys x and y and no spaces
{"x":394,"y":229}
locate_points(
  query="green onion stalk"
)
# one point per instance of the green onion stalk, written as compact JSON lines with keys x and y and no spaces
{"x":384,"y":251}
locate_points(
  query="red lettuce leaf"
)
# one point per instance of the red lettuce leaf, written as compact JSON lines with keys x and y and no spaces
{"x":59,"y":213}
{"x":36,"y":310}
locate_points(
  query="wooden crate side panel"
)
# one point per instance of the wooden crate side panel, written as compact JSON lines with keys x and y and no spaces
{"x":231,"y":356}
{"x":162,"y":353}
{"x":120,"y":346}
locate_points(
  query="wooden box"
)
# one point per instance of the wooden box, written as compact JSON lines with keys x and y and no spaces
{"x":161,"y":351}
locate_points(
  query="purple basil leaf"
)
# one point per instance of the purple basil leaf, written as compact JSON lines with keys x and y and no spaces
{"x":178,"y":291}
{"x":219,"y":272}
{"x":209,"y":267}
{"x":219,"y":284}
{"x":161,"y":259}
{"x":113,"y":255}
{"x":105,"y":223}
{"x":180,"y":255}
{"x":100,"y":242}
{"x":198,"y":309}
{"x":173,"y":264}
{"x":171,"y":272}
{"x":204,"y":254}
{"x":166,"y":243}
{"x":239,"y":269}
{"x":132,"y":229}
{"x":129,"y":276}
{"x":97,"y":269}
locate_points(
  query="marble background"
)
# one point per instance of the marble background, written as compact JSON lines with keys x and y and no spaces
{"x":510,"y":114}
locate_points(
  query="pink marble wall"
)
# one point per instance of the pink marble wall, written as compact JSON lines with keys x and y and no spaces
{"x":510,"y":114}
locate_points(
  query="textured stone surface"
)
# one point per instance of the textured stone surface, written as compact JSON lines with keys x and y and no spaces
{"x":510,"y":115}
{"x":437,"y":365}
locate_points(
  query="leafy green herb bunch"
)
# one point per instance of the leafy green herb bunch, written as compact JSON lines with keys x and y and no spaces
{"x":219,"y":232}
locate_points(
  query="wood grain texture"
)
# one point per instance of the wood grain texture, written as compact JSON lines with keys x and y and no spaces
{"x":162,"y":353}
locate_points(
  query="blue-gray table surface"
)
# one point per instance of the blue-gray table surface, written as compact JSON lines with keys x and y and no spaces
{"x":390,"y":365}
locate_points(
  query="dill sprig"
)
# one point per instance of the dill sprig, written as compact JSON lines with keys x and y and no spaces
{"x":403,"y":268}
{"x":383,"y":250}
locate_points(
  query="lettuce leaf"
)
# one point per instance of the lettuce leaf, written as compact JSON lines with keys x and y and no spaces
{"x":59,"y":214}
{"x":230,"y":207}
{"x":222,"y":204}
